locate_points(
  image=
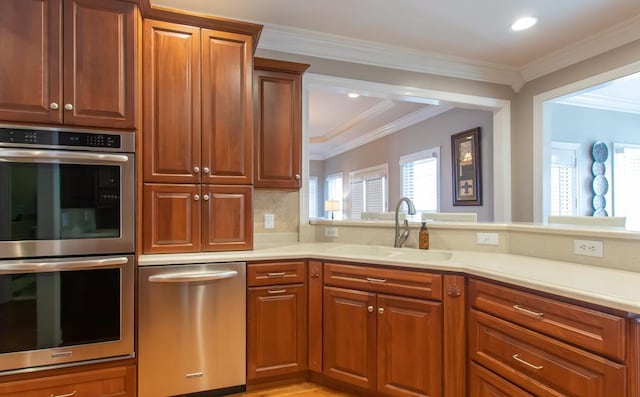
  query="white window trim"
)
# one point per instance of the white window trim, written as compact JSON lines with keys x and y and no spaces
{"x":329,"y":177}
{"x":577,"y":149}
{"x":381,"y":170}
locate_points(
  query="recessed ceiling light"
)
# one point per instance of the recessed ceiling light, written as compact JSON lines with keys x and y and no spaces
{"x":353,"y":95}
{"x":524,"y":23}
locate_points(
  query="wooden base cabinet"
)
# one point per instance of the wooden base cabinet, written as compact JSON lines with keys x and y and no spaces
{"x":109,"y":382}
{"x":484,"y":383}
{"x":68,"y":61}
{"x":381,"y":342}
{"x":193,"y":218}
{"x":276,"y":319}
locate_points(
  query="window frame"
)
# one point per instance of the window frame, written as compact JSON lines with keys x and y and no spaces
{"x":426,"y":154}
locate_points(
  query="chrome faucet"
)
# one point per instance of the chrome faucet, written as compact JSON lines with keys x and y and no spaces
{"x":402,"y":237}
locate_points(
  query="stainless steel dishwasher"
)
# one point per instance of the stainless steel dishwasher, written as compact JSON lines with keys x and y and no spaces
{"x":191,"y":329}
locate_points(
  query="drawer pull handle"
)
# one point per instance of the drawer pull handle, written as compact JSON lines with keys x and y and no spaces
{"x":278,"y":274}
{"x":527,"y":311}
{"x":528,"y":364}
{"x":276,"y":291}
{"x":73,"y":393}
{"x":376,"y":280}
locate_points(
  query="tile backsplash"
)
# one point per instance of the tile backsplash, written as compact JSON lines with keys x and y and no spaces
{"x":284,"y":205}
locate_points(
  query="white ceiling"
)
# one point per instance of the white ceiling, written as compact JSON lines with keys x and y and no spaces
{"x":458,"y":38}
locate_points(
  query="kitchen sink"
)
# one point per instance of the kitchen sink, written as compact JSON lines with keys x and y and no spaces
{"x":389,"y":252}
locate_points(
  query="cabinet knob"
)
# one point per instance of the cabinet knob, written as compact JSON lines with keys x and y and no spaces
{"x":196,"y":170}
{"x":381,"y":310}
{"x":205,"y":197}
{"x":196,"y":197}
{"x":68,"y":106}
{"x":54,"y":106}
{"x":298,"y":177}
{"x":370,"y":309}
{"x":206,"y":170}
{"x":315,"y":275}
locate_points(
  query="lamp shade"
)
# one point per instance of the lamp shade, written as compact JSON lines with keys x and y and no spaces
{"x":331,"y":205}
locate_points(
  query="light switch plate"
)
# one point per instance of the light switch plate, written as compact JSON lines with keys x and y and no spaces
{"x":269,"y":221}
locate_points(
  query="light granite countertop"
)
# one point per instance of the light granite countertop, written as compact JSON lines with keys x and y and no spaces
{"x":612,"y":288}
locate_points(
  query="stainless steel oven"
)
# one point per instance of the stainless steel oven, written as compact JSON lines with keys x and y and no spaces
{"x":65,"y":310}
{"x":66,"y":192}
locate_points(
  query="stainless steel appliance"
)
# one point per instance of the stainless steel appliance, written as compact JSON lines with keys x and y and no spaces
{"x":65,"y":310}
{"x":191,"y":328}
{"x":66,"y":192}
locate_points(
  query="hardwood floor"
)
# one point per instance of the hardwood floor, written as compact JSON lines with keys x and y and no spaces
{"x":298,"y":390}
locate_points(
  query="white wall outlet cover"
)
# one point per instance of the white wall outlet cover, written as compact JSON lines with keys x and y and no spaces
{"x":331,"y":232}
{"x":588,"y":248}
{"x":487,"y":238}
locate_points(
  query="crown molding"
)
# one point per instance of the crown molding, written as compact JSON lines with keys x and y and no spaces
{"x":310,"y":43}
{"x":376,"y":109}
{"x":323,"y":45}
{"x":387,"y":129}
{"x":586,"y":48}
{"x":601,"y":102}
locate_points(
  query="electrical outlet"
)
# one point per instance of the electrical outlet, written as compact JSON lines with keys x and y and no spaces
{"x":487,"y":239}
{"x":269,"y":221}
{"x":588,"y":248}
{"x":331,"y":232}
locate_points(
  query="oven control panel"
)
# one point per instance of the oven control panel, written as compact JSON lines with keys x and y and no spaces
{"x":59,"y":138}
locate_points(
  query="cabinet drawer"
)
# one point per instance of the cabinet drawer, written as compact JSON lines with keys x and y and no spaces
{"x":275,"y":273}
{"x":590,"y":329}
{"x":119,"y":381}
{"x":390,"y":281}
{"x":539,"y":364}
{"x":484,"y":383}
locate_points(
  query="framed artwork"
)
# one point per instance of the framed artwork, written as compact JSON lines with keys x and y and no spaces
{"x":465,"y":158}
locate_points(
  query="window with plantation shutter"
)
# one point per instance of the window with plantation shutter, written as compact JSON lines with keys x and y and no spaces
{"x":368,"y":190}
{"x":564,"y":178}
{"x":420,"y":177}
{"x":626,"y":183}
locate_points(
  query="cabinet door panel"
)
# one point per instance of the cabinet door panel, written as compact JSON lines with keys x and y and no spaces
{"x":278,"y":129}
{"x":227,"y":218}
{"x":171,"y":217}
{"x":350,"y":336}
{"x":483,"y":383}
{"x":172,"y":102}
{"x":227,"y":107}
{"x":277,"y":330}
{"x":99,"y":62}
{"x":30,"y":75}
{"x":409,"y":346}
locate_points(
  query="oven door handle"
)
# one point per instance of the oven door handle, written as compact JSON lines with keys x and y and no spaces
{"x":192,"y":277}
{"x":41,"y":267}
{"x":56,"y":156}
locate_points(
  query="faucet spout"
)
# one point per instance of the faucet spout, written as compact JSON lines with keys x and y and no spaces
{"x":401,"y":237}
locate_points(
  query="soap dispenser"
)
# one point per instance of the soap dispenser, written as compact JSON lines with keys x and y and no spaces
{"x":423,"y":241}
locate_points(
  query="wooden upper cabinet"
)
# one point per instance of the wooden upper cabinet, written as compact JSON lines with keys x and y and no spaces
{"x":99,"y":63}
{"x":70,"y":62}
{"x":171,"y":54}
{"x":30,"y":75}
{"x":278,"y":123}
{"x":227,"y":108}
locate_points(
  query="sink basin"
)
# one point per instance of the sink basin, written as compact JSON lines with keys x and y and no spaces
{"x":389,"y":252}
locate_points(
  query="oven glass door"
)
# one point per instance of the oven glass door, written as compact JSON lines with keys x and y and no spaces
{"x":65,"y":310}
{"x":56,"y":196}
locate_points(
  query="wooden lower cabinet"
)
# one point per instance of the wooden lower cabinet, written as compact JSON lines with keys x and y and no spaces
{"x":276,"y":330}
{"x":108,"y":382}
{"x":484,"y":383}
{"x":381,"y":342}
{"x":193,"y":218}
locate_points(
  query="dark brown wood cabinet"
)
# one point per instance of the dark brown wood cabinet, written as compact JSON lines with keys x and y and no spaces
{"x":277,"y":320}
{"x":198,"y":131}
{"x":77,"y":62}
{"x":198,"y":110}
{"x":108,"y":382}
{"x":386,"y":343}
{"x":484,"y":383}
{"x":193,"y":218}
{"x":278,"y":123}
{"x":544,"y":346}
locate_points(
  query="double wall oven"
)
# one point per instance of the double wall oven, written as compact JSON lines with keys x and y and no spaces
{"x":67,"y":237}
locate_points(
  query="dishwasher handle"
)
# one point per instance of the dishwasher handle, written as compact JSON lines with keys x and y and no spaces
{"x":192,"y":277}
